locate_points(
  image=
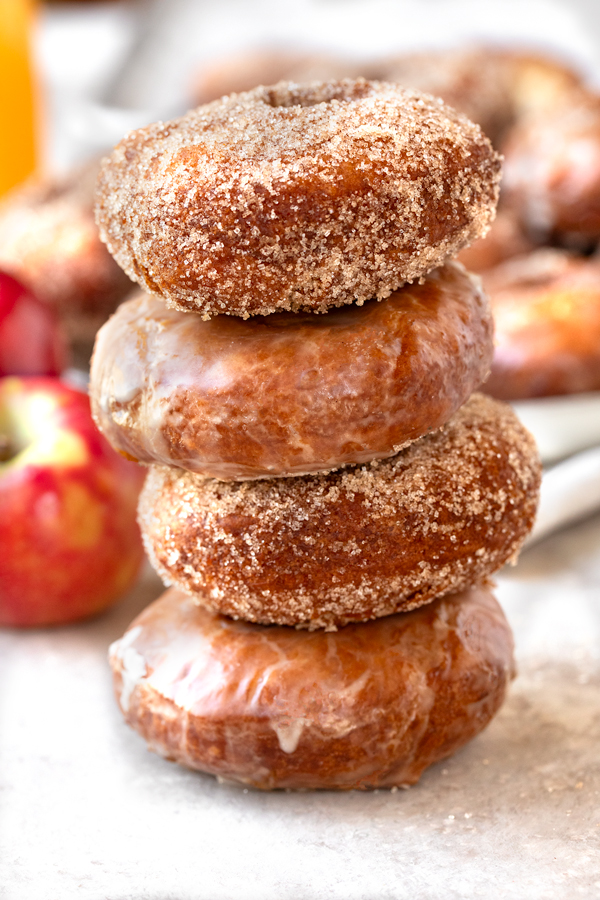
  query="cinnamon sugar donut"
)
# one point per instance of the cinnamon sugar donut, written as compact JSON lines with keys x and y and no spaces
{"x":547,"y":313}
{"x":291,"y":197}
{"x":323,"y":550}
{"x":289,"y":393}
{"x":369,"y":706}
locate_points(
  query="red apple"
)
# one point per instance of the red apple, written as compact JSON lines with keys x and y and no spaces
{"x":69,"y":540}
{"x":31,"y":340}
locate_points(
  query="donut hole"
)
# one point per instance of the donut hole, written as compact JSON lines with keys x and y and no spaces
{"x":277,"y":100}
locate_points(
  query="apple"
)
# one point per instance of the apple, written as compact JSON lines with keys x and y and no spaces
{"x":69,"y":541}
{"x":31,"y":340}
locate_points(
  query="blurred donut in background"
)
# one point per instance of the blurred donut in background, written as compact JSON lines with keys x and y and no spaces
{"x":546,"y":309}
{"x":504,"y":240}
{"x":546,"y":304}
{"x":552,"y":173}
{"x":494,"y":88}
{"x":49,"y":241}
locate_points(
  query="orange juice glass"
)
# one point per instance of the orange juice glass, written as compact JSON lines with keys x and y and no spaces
{"x":17,"y":102}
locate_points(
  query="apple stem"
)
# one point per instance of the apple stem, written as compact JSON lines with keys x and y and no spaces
{"x":6,"y":449}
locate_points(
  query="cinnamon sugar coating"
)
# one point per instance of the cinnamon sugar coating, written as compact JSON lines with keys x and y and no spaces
{"x":369,"y":706}
{"x":296,"y":197}
{"x":324,"y":550}
{"x":290,"y":393}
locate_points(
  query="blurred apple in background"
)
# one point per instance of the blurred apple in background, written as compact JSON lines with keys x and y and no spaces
{"x":69,"y":540}
{"x":31,"y":340}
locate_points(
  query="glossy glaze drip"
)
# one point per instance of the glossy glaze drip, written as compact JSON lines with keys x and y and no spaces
{"x":372,"y":704}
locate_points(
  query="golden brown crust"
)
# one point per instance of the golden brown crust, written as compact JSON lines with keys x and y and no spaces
{"x":294,"y":197}
{"x":547,"y":312}
{"x":322,"y":550}
{"x":369,"y":706}
{"x":289,"y":394}
{"x":49,"y":240}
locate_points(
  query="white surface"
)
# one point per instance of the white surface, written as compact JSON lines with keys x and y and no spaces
{"x":562,"y":425}
{"x":566,"y":429}
{"x":570,"y":491}
{"x":88,"y":813}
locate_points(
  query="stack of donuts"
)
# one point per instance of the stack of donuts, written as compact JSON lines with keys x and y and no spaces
{"x":326,"y":497}
{"x":539,"y":262}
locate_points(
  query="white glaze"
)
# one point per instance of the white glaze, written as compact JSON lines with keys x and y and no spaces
{"x":133,"y":665}
{"x":289,"y":733}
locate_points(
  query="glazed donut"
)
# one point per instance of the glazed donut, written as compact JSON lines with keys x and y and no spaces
{"x":289,"y":393}
{"x":291,"y":197}
{"x":547,"y":313}
{"x":49,"y":241}
{"x":369,"y":706}
{"x":552,"y":174}
{"x":324,"y":550}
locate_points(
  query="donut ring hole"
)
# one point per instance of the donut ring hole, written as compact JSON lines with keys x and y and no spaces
{"x":290,"y":96}
{"x":276,"y":101}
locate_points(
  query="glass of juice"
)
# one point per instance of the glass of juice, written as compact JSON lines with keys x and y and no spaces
{"x":17,"y":100}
